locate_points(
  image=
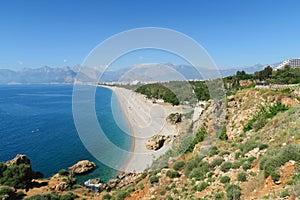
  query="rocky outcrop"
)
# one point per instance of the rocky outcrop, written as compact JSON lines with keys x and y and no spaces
{"x":61,"y":183}
{"x":174,"y":118}
{"x":121,"y":181}
{"x":158,"y":141}
{"x":83,"y":166}
{"x":19,"y":159}
{"x":61,"y":186}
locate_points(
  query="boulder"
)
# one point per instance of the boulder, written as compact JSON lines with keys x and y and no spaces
{"x":102,"y":187}
{"x":156,"y":142}
{"x":61,"y":186}
{"x":95,"y":181}
{"x":83,"y":166}
{"x":19,"y":159}
{"x":112,"y":184}
{"x":174,"y":118}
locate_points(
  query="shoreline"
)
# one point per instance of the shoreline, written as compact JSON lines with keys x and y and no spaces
{"x":144,"y":119}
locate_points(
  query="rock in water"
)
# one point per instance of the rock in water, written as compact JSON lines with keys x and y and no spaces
{"x":83,"y":166}
{"x":18,"y":160}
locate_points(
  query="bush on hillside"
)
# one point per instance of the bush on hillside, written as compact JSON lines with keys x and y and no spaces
{"x":179,"y":165}
{"x":172,"y":174}
{"x":199,"y":137}
{"x":242,"y":177}
{"x":225,"y":179}
{"x":276,"y":157}
{"x":226,"y":166}
{"x":233,"y":192}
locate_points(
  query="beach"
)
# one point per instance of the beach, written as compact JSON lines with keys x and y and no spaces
{"x":145,"y":119}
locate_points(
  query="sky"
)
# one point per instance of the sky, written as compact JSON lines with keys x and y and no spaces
{"x":62,"y":33}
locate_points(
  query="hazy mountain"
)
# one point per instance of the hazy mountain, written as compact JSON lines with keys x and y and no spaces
{"x":140,"y":72}
{"x":7,"y":76}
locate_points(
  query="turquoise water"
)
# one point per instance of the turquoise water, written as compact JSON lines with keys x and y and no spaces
{"x":37,"y":120}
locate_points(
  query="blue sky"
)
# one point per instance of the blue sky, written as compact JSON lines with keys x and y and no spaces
{"x":234,"y":32}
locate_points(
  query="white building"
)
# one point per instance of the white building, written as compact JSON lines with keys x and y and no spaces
{"x":291,"y":62}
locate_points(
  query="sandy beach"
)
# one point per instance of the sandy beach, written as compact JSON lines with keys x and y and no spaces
{"x":145,"y":119}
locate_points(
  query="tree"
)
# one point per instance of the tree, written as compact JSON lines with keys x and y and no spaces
{"x":265,"y":73}
{"x":18,"y":176}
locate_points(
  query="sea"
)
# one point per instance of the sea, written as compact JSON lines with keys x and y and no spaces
{"x":36,"y":120}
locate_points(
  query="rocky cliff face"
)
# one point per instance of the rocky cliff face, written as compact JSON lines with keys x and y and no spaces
{"x":233,"y":166}
{"x":19,"y":159}
{"x":83,"y":166}
{"x":242,"y":106}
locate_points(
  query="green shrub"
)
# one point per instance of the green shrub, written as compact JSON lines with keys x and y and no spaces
{"x":253,"y":174}
{"x":259,"y":123}
{"x":237,"y":155}
{"x":197,"y":173}
{"x":210,"y":174}
{"x":275,"y":176}
{"x":242,"y":177}
{"x":276,"y":157}
{"x":121,"y":194}
{"x":216,"y":162}
{"x":68,"y":196}
{"x":153,"y":179}
{"x":199,"y":137}
{"x":223,"y":135}
{"x":191,"y":164}
{"x":202,"y":186}
{"x":5,"y":190}
{"x":41,"y":197}
{"x":200,"y":171}
{"x":213,"y":151}
{"x":226,"y":166}
{"x":20,"y":195}
{"x":175,"y":191}
{"x":63,"y":172}
{"x":142,"y":176}
{"x":260,"y":118}
{"x":179,"y":165}
{"x":172,"y":174}
{"x":169,"y":198}
{"x":225,"y":179}
{"x":285,"y":193}
{"x":219,"y":196}
{"x":224,"y":153}
{"x":248,"y":146}
{"x":263,"y":146}
{"x":233,"y":192}
{"x":247,"y":165}
{"x":163,"y":192}
{"x":251,"y":159}
{"x":3,"y":167}
{"x":106,"y":196}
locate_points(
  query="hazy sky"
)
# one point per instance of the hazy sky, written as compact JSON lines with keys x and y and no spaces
{"x":34,"y":33}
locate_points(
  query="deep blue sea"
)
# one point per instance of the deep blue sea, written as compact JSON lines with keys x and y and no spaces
{"x":37,"y":120}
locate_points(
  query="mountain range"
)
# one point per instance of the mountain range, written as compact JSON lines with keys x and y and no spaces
{"x":140,"y":72}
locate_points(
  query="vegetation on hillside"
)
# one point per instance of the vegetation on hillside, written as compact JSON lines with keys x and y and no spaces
{"x":158,"y":91}
{"x":265,"y":112}
{"x":18,"y":176}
